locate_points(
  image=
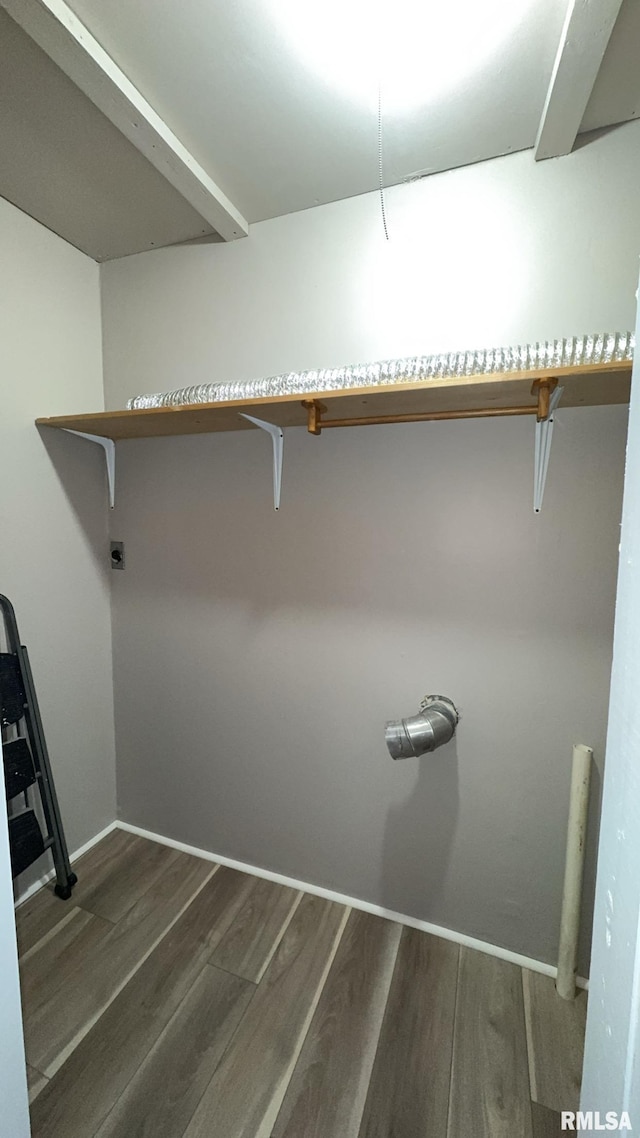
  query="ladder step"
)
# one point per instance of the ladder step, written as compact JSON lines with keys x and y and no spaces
{"x":26,"y":763}
{"x":12,"y":697}
{"x":19,"y":773}
{"x":26,"y":842}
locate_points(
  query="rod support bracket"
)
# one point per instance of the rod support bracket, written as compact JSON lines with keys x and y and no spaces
{"x":314,"y":410}
{"x":543,"y":389}
{"x":542,"y":452}
{"x":109,"y":447}
{"x":277,"y":439}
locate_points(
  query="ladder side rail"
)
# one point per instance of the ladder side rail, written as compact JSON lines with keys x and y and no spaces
{"x":11,"y":624}
{"x":40,"y":755}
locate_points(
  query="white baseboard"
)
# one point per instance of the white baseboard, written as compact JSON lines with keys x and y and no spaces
{"x":355,"y":903}
{"x":42,"y":881}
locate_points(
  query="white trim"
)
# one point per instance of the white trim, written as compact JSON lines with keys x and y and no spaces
{"x":58,"y":31}
{"x":354,"y":903}
{"x":37,"y":885}
{"x":585,"y":35}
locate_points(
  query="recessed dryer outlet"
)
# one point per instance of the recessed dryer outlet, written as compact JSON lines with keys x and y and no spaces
{"x":117,"y":555}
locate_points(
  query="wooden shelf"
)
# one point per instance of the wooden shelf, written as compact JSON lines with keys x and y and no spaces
{"x":590,"y":386}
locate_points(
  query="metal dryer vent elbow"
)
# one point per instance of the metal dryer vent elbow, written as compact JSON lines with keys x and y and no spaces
{"x":434,"y":725}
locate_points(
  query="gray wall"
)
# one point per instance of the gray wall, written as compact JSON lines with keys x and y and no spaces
{"x":53,"y":523}
{"x":256,"y":656}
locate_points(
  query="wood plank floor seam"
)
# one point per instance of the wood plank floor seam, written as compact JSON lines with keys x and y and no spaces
{"x":455,"y":1010}
{"x":49,"y":988}
{"x":37,"y":1071}
{"x":123,"y":1036}
{"x":408,"y":1092}
{"x":143,"y":1059}
{"x":64,"y":920}
{"x":114,"y":876}
{"x":161,"y":1126}
{"x":269,"y":1121}
{"x":455,"y":1006}
{"x":526,"y":996}
{"x":44,"y":911}
{"x":282,"y":932}
{"x":35,"y":1082}
{"x":328,"y":1089}
{"x":555,"y":1039}
{"x":86,"y":1027}
{"x":271,"y":1034}
{"x":250,"y":942}
{"x":546,"y":1123}
{"x":490,"y":1076}
{"x":121,"y":910}
{"x":221,"y":1059}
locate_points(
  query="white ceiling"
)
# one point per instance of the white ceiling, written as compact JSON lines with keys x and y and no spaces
{"x":277,"y":126}
{"x":64,"y":163}
{"x":279,"y":137}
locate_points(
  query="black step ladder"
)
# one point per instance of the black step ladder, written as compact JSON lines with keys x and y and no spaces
{"x":26,"y":764}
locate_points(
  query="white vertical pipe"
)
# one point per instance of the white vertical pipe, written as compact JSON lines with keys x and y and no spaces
{"x":573,"y":871}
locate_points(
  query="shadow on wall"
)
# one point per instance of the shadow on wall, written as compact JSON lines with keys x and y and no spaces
{"x":419,"y":834}
{"x":79,"y":467}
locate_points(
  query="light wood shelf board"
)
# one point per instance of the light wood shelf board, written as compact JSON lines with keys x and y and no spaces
{"x":593,"y":385}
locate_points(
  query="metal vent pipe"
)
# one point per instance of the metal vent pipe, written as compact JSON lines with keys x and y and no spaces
{"x":434,"y":725}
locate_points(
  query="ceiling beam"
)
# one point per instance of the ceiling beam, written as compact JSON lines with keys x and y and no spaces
{"x":587,"y":28}
{"x":59,"y":32}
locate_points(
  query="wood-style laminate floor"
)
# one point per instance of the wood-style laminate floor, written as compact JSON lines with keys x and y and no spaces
{"x":172,"y":998}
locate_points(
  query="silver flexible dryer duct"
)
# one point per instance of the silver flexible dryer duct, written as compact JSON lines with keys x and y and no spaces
{"x":435,"y":725}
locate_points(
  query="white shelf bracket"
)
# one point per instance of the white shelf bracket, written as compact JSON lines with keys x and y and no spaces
{"x":277,"y":438}
{"x":109,"y":448}
{"x":544,"y":434}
